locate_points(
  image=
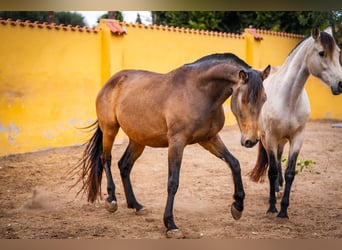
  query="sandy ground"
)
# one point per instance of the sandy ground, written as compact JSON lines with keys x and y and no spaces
{"x":36,"y":203}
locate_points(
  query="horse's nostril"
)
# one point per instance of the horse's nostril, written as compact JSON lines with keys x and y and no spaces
{"x":340,"y":85}
{"x":248,"y":143}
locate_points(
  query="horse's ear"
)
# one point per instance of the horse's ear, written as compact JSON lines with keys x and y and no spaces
{"x":265,"y":73}
{"x":243,"y":75}
{"x":315,"y":33}
{"x":328,"y":30}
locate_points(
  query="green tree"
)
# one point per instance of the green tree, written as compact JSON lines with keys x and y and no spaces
{"x":40,"y":16}
{"x":69,"y":18}
{"x":138,"y":20}
{"x":112,"y":15}
{"x":300,"y":22}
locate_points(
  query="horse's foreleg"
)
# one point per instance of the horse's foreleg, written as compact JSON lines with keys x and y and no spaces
{"x":175,"y":155}
{"x":133,"y":151}
{"x":289,"y":177}
{"x":216,"y":147}
{"x":272,"y":177}
{"x":295,"y":146}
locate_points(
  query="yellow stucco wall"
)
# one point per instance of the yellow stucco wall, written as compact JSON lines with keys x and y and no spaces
{"x":48,"y":81}
{"x":50,"y":75}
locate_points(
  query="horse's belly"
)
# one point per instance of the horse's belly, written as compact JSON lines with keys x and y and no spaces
{"x":145,"y":133}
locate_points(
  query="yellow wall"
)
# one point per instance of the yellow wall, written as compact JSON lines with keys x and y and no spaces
{"x":50,"y":75}
{"x":271,"y":48}
{"x":161,"y":49}
{"x":48,"y":82}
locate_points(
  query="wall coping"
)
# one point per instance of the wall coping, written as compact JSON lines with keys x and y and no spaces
{"x":257,"y":33}
{"x":37,"y":24}
{"x":120,"y":28}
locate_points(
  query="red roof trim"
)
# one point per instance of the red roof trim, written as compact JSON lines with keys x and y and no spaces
{"x":30,"y":24}
{"x":114,"y":26}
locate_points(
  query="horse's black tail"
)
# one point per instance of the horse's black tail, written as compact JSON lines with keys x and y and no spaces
{"x":259,"y":171}
{"x":90,"y":165}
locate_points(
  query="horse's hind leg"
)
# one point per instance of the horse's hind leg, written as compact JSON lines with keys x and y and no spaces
{"x":217,"y":148}
{"x":133,"y":151}
{"x":272,"y":177}
{"x":109,"y":133}
{"x":279,"y":180}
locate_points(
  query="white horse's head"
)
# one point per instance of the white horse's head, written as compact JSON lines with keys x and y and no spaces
{"x":323,"y":60}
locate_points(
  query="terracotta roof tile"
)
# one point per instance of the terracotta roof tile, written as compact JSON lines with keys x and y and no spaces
{"x":276,"y":33}
{"x":114,"y":26}
{"x":44,"y":25}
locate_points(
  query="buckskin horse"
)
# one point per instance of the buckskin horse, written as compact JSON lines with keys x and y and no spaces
{"x":172,"y":110}
{"x":286,"y":111}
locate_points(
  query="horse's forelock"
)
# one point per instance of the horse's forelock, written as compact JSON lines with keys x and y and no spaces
{"x":255,"y":86}
{"x":328,"y":43}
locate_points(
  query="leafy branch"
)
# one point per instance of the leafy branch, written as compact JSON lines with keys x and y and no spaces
{"x":302,"y":165}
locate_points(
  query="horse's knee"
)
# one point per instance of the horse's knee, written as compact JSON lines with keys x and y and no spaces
{"x":172,"y":186}
{"x":124,"y":172}
{"x":235,"y":164}
{"x":289,"y":175}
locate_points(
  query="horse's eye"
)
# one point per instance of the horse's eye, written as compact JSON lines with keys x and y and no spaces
{"x":321,"y":53}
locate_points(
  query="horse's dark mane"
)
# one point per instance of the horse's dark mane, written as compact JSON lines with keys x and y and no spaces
{"x":210,"y":60}
{"x":254,"y":89}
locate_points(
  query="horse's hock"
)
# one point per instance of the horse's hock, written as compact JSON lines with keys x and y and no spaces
{"x":50,"y":73}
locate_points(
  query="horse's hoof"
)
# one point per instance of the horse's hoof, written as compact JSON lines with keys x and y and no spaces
{"x":272,"y":210}
{"x":235,"y":213}
{"x":111,"y":206}
{"x":141,"y":211}
{"x":174,"y":234}
{"x":282,"y":215}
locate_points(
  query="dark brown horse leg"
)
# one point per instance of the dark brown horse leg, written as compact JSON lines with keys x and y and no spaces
{"x":133,"y":151}
{"x":217,"y":148}
{"x":289,"y":177}
{"x":272,"y":177}
{"x":111,"y":204}
{"x":108,"y":139}
{"x":279,"y":180}
{"x":175,"y":155}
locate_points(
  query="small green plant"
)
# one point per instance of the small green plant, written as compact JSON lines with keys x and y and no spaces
{"x":302,"y":165}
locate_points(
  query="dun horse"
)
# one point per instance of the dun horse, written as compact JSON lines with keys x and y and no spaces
{"x":172,"y":110}
{"x":286,"y":111}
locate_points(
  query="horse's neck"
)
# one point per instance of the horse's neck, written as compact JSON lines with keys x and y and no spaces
{"x":216,"y":83}
{"x":293,"y":75}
